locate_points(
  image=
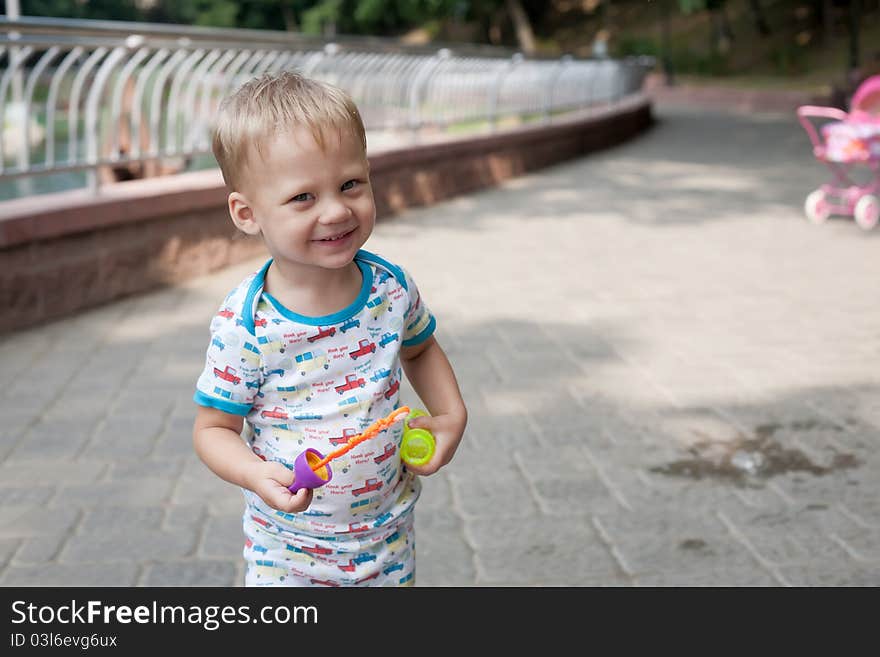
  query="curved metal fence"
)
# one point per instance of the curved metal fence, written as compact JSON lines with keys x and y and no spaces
{"x":81,"y":95}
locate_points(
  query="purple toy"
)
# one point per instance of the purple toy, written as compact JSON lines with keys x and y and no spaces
{"x":305,"y":476}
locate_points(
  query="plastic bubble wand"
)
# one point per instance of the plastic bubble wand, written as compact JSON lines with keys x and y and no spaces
{"x":312,"y":469}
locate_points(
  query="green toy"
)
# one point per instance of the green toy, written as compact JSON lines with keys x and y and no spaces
{"x":417,"y":446}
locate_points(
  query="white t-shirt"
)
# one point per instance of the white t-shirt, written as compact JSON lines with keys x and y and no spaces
{"x":315,"y":382}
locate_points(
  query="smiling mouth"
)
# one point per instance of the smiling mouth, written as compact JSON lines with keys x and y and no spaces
{"x":337,"y":237}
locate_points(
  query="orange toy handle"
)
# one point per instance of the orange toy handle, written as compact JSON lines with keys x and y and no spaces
{"x":372,"y":430}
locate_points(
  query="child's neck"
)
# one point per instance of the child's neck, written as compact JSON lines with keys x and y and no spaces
{"x":314,"y":292}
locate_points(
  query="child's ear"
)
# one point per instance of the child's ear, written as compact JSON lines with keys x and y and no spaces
{"x":242,"y":214}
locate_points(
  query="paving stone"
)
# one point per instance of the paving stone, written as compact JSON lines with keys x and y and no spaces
{"x":146,"y":491}
{"x":61,"y":439}
{"x":499,"y":493}
{"x":445,"y":563}
{"x":723,"y":577}
{"x":25,"y":496}
{"x":66,"y":574}
{"x":121,"y":520}
{"x":184,"y":518}
{"x":797,"y":543}
{"x":136,"y":546}
{"x":40,"y":550}
{"x":33,"y":520}
{"x":548,"y":551}
{"x":863,"y":544}
{"x":223,"y":538}
{"x":661,"y":539}
{"x":125,"y":437}
{"x":825,"y":574}
{"x":436,"y":493}
{"x":8,"y":546}
{"x":191,"y":573}
{"x":163,"y":466}
{"x":27,"y":471}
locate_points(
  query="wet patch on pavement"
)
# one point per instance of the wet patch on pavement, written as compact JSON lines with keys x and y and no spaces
{"x":746,"y":460}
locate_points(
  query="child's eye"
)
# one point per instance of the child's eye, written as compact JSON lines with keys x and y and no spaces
{"x":349,"y":185}
{"x":300,"y":198}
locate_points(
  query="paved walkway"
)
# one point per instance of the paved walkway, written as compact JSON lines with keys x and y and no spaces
{"x":672,"y":379}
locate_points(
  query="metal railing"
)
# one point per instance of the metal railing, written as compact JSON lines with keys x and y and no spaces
{"x":80,"y":95}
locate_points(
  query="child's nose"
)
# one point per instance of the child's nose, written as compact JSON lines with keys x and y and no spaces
{"x":335,"y":211}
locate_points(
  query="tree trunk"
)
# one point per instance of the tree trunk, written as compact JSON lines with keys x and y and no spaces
{"x":760,"y":19}
{"x":287,"y":12}
{"x":525,"y":36}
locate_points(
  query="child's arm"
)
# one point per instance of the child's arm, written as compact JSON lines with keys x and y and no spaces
{"x":432,"y":378}
{"x":217,"y":441}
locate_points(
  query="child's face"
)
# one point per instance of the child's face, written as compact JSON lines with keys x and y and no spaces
{"x":314,"y":207}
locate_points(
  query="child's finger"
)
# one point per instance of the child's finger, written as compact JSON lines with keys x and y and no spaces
{"x":281,"y":474}
{"x":299,"y":501}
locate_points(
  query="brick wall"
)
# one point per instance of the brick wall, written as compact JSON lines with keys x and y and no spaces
{"x":66,"y":252}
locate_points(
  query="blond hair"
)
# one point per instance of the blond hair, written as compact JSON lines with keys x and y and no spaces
{"x":275,"y":102}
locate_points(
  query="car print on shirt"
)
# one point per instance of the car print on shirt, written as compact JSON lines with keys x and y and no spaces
{"x":347,"y":567}
{"x":261,"y":522}
{"x":388,"y":338}
{"x":282,"y":433}
{"x":364,"y":557}
{"x":381,"y":519}
{"x":395,"y":541}
{"x":349,"y":323}
{"x":351,"y":381}
{"x":278,"y":413}
{"x":322,"y":582}
{"x":365,"y":347}
{"x":269,"y":569}
{"x":309,"y":361}
{"x":294,"y":393}
{"x":390,"y":569}
{"x":368,"y":577}
{"x":258,"y":321}
{"x":250,"y":354}
{"x":379,"y":375}
{"x":226,"y":313}
{"x":368,"y":504}
{"x":370,"y":484}
{"x":354,"y":527}
{"x":316,"y":549}
{"x":390,"y":450}
{"x":307,"y":416}
{"x":227,"y":394}
{"x":217,"y":342}
{"x":351,"y":404}
{"x":227,"y":374}
{"x":346,"y":434}
{"x":378,"y":305}
{"x":322,"y":333}
{"x":394,"y":387}
{"x":271,"y":344}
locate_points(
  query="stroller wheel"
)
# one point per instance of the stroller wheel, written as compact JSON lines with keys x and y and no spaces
{"x":816,"y":207}
{"x":867,"y":212}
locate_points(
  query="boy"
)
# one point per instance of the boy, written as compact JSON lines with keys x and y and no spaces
{"x":307,"y":351}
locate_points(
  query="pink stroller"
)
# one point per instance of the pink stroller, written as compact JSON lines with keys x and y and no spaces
{"x":845,"y":141}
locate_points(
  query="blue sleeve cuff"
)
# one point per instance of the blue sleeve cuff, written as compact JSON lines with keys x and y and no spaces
{"x":233,"y":408}
{"x":426,"y":333}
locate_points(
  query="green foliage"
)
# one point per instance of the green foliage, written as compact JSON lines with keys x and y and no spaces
{"x":789,"y":58}
{"x":638,"y":45}
{"x":117,"y":10}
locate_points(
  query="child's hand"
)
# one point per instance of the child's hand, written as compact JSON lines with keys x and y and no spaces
{"x":447,"y":430}
{"x":270,"y":480}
